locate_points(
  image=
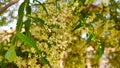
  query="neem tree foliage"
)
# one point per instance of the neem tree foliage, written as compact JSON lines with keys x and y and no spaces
{"x":56,"y":34}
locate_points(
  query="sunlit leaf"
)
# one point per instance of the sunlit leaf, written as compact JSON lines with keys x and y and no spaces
{"x":101,"y":49}
{"x":27,"y":40}
{"x":11,"y":54}
{"x":30,"y":42}
{"x":90,"y":38}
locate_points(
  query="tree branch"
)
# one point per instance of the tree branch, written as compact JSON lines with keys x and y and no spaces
{"x":8,"y":5}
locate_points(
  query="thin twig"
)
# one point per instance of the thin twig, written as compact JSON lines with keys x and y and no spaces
{"x":8,"y":5}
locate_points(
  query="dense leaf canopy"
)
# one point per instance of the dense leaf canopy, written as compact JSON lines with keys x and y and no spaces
{"x":61,"y":34}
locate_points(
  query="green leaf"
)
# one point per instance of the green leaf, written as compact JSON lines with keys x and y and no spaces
{"x":90,"y":38}
{"x":70,"y":3}
{"x":27,"y":24}
{"x":20,"y":17}
{"x":57,"y":5}
{"x":42,"y":22}
{"x":11,"y":54}
{"x":27,"y":27}
{"x":29,"y":41}
{"x":54,"y":26}
{"x":28,"y":21}
{"x":44,"y":60}
{"x":83,"y":1}
{"x":28,"y":7}
{"x":101,"y":49}
{"x":42,"y":6}
{"x":78,"y":25}
{"x":3,"y":22}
